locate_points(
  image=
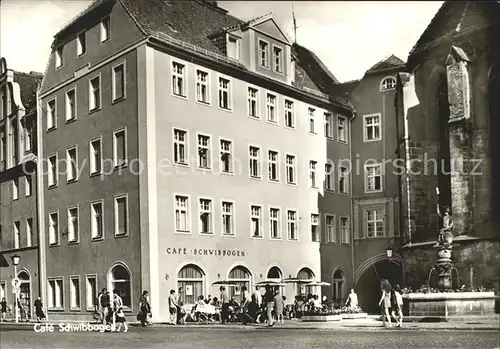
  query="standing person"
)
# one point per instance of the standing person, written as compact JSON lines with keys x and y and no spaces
{"x":397,"y":306}
{"x":40,"y":315}
{"x":144,"y":308}
{"x":3,"y":308}
{"x":258,"y":303}
{"x":279,"y":304}
{"x":118,"y":312}
{"x":269,"y":301}
{"x":104,"y":303}
{"x":172,"y":306}
{"x":385,"y":301}
{"x":352,"y":299}
{"x":224,"y":300}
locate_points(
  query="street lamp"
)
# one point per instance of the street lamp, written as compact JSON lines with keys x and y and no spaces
{"x":15,"y":261}
{"x":388,"y":251}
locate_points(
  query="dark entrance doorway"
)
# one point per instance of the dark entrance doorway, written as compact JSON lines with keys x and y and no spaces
{"x":368,"y":285}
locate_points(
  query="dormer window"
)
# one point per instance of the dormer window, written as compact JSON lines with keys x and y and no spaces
{"x":105,"y":29}
{"x":59,"y":56}
{"x":263,"y":54}
{"x":233,"y":49}
{"x":387,"y":84}
{"x":81,"y":45}
{"x":278,"y":59}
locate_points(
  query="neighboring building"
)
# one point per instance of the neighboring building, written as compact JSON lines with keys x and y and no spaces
{"x":18,"y":178}
{"x":448,"y":109}
{"x":184,"y":150}
{"x":375,"y":193}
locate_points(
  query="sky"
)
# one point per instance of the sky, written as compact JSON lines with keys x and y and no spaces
{"x":348,"y":36}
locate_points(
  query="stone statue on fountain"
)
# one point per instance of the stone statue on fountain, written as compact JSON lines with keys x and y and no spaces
{"x":444,"y":246}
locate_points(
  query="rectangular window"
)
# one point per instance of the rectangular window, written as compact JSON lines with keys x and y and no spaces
{"x":15,"y":189}
{"x":372,"y":128}
{"x":342,"y":129}
{"x":292,"y":225}
{"x":121,"y":215}
{"x":119,"y":82}
{"x":274,"y":221}
{"x":206,"y":222}
{"x":233,"y":48}
{"x":315,"y":228}
{"x":271,"y":108}
{"x":53,"y":170}
{"x":253,"y":102}
{"x":329,"y":177}
{"x":14,"y":140}
{"x":178,"y":79}
{"x":345,"y":231}
{"x":53,"y":228}
{"x":180,"y":147}
{"x":328,"y":126}
{"x":28,"y":140}
{"x":312,"y":174}
{"x":91,"y":291}
{"x":51,"y":114}
{"x":330,"y":228}
{"x":81,"y":44}
{"x":227,"y":218}
{"x":29,"y":232}
{"x":263,"y":54}
{"x":71,"y":105}
{"x":59,"y":56}
{"x":343,"y":180}
{"x":96,"y":220}
{"x":311,"y":112}
{"x":254,"y":155}
{"x":3,"y":149}
{"x":202,"y":86}
{"x":290,"y":169}
{"x":105,"y":29}
{"x":373,"y":178}
{"x":95,"y":93}
{"x":224,"y":93}
{"x":181,"y":213}
{"x":273,"y":165}
{"x":74,"y":292}
{"x":278,"y":59}
{"x":120,"y":157}
{"x":71,"y":164}
{"x":226,"y":156}
{"x":256,"y":221}
{"x":55,"y":293}
{"x":95,"y":156}
{"x":204,"y":156}
{"x":374,"y":223}
{"x":289,"y":114}
{"x":3,"y":290}
{"x":73,"y":225}
{"x":17,"y":234}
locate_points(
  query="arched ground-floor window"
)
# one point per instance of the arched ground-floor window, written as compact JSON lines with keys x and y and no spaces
{"x":274,"y":274}
{"x":190,"y":283}
{"x":119,"y":279}
{"x":338,"y":284}
{"x":303,"y":275}
{"x":241,"y":276}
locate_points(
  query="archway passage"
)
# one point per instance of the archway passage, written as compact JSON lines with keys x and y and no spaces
{"x":368,"y":285}
{"x":338,"y":286}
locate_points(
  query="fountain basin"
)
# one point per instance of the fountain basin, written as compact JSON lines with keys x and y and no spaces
{"x":448,"y":305}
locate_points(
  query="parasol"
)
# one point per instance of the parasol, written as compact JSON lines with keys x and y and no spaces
{"x":224,"y":283}
{"x":270,"y":283}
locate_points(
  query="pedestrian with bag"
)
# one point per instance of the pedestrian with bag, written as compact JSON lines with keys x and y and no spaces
{"x":144,"y":309}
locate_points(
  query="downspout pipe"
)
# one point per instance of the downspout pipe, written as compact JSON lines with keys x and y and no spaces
{"x":351,"y":223}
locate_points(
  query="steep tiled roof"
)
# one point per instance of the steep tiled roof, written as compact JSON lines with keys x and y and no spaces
{"x":28,"y":84}
{"x":201,"y":23}
{"x":314,"y":67}
{"x":95,"y":4}
{"x":190,"y":21}
{"x":389,"y":62}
